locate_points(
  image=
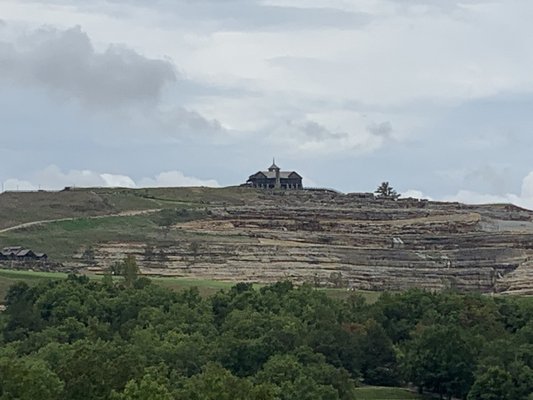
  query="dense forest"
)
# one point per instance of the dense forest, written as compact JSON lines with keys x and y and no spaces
{"x":130,"y":339}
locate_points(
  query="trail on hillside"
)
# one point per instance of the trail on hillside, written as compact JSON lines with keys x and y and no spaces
{"x":49,"y":221}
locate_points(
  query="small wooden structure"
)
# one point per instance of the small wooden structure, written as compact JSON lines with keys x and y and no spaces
{"x":19,"y":253}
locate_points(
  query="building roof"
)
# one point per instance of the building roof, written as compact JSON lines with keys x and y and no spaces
{"x":20,"y":252}
{"x":12,"y":249}
{"x":272,"y":174}
{"x":273,"y":167}
{"x":25,"y":252}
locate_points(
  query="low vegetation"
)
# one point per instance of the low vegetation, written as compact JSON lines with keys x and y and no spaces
{"x":386,"y":393}
{"x":23,"y":207}
{"x":128,"y":338}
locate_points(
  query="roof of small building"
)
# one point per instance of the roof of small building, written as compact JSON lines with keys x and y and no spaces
{"x":25,"y":252}
{"x":12,"y":249}
{"x":20,"y":252}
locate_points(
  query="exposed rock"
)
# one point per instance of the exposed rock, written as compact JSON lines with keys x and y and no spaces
{"x":327,"y":238}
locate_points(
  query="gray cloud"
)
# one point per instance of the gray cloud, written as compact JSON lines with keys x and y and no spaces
{"x":442,"y":5}
{"x":213,"y":15}
{"x":489,"y":179}
{"x":66,"y":63}
{"x":179,"y":121}
{"x":314,"y":131}
{"x":383,"y":129}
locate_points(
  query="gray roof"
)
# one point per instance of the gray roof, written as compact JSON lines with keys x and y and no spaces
{"x":19,"y":252}
{"x":12,"y":249}
{"x":272,"y":174}
{"x":273,"y":166}
{"x":24,"y":253}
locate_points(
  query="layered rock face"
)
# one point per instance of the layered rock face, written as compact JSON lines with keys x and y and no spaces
{"x":352,"y":241}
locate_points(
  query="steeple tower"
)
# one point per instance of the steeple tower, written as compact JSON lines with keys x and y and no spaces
{"x":275,"y":168}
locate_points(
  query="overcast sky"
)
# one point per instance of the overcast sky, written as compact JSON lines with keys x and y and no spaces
{"x":434,"y":96}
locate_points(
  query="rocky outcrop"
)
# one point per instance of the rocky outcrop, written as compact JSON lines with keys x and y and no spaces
{"x":350,"y":241}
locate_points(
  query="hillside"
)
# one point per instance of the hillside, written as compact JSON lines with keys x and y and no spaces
{"x":237,"y":234}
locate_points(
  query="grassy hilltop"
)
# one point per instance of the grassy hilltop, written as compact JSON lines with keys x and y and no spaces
{"x":84,"y":217}
{"x":22,"y":207}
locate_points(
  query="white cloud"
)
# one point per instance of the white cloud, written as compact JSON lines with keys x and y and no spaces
{"x":527,"y":186}
{"x":524,"y":199}
{"x":53,"y":178}
{"x":415,"y":194}
{"x":176,"y":178}
{"x":112,"y":180}
{"x":16,"y":184}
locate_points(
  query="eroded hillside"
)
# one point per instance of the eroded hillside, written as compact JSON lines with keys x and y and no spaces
{"x":339,"y":240}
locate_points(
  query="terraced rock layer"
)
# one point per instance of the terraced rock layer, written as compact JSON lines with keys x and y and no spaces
{"x":350,"y":241}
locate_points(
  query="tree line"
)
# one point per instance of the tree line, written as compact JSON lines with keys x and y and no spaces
{"x":83,"y":339}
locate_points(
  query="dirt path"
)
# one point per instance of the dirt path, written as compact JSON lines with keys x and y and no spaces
{"x":48,"y":221}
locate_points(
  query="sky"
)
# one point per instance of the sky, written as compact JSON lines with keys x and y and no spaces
{"x":435,"y":97}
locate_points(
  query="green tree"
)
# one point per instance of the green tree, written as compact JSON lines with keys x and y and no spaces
{"x":166,"y":219}
{"x":386,"y":191}
{"x":128,"y":269}
{"x":88,"y":256}
{"x":296,"y":381}
{"x":22,"y":317}
{"x":494,"y":384}
{"x":217,"y":383}
{"x":149,"y":387}
{"x":439,"y":359}
{"x":92,"y":369}
{"x":378,"y":356}
{"x":28,"y":379}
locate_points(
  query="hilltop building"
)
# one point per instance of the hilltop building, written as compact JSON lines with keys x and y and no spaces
{"x":274,"y":178}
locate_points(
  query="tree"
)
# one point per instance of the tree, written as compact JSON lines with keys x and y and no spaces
{"x":149,"y":253}
{"x":27,"y":379}
{"x":89,"y":255}
{"x":217,"y":383}
{"x":386,"y":191}
{"x":194,"y":250}
{"x":128,"y":268}
{"x":378,"y":356}
{"x":439,"y":359}
{"x":150,"y":387}
{"x":166,"y":219}
{"x":493,"y":384}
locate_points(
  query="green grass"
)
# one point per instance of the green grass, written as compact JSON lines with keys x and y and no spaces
{"x":61,"y":240}
{"x":206,"y":287}
{"x":386,"y":393}
{"x":8,"y":278}
{"x":370,"y":296}
{"x":202,"y":196}
{"x":21,"y":207}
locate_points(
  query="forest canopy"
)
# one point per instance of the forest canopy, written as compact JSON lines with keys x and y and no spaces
{"x":82,"y":339}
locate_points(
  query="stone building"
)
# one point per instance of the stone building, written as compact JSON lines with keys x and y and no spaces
{"x":274,"y":178}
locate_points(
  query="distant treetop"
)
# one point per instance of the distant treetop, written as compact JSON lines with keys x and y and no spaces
{"x":386,"y":191}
